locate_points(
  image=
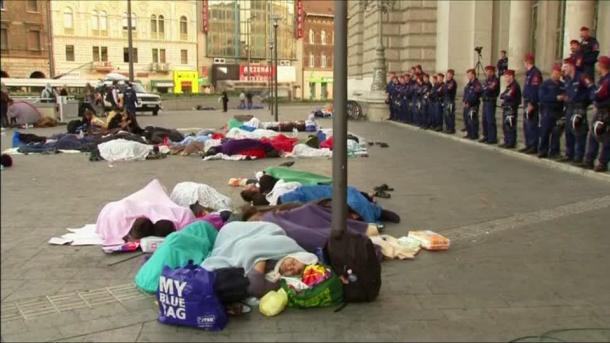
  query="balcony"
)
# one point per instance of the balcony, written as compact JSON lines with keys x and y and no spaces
{"x":163,"y":67}
{"x":102,"y":66}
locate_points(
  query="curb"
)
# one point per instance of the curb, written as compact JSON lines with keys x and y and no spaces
{"x":508,"y":152}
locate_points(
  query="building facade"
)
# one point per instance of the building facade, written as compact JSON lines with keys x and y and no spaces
{"x":90,"y":41}
{"x":235,"y":38}
{"x":443,"y":34}
{"x":25,"y":41}
{"x":318,"y":42}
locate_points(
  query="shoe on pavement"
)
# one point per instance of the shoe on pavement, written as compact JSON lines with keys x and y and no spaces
{"x":464,"y":129}
{"x":483,"y":140}
{"x":524,"y":149}
{"x":600,"y":168}
{"x":532,"y":151}
{"x":565,"y":159}
{"x":587,"y":164}
{"x":542,"y":155}
{"x":389,"y":216}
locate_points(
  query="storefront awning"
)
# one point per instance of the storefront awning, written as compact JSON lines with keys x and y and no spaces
{"x":162,"y":83}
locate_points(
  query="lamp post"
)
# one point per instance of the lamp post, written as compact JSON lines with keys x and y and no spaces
{"x":379,"y":69}
{"x":339,"y":198}
{"x":275,"y":25}
{"x":129,"y":41}
{"x":269,"y":79}
{"x":249,"y":45}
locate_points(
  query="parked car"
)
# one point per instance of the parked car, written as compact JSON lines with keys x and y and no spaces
{"x":147,"y":102}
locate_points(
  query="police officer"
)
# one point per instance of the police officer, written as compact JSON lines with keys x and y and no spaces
{"x":449,"y":91}
{"x":551,"y":95}
{"x":472,"y":100}
{"x":590,"y":50}
{"x":390,"y":95}
{"x":511,"y":98}
{"x":533,"y":80}
{"x":130,"y":99}
{"x":576,"y":55}
{"x":599,"y":133}
{"x":576,"y":103}
{"x":502,"y":63}
{"x":406,"y":95}
{"x":438,"y":104}
{"x":416,"y":96}
{"x":426,"y":94}
{"x":400,"y":101}
{"x":491,"y":90}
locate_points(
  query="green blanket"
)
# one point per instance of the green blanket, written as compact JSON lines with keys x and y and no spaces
{"x":194,"y":242}
{"x":294,"y":175}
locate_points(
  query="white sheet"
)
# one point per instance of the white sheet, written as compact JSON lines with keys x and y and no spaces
{"x":82,"y":236}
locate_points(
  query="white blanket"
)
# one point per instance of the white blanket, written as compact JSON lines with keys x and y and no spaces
{"x":124,"y":150}
{"x":188,"y":193}
{"x":237,"y":133}
{"x":221,"y":156}
{"x":302,"y":150}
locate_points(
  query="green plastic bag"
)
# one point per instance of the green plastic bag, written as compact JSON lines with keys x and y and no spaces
{"x":193,"y":243}
{"x":327,"y":293}
{"x":294,"y":175}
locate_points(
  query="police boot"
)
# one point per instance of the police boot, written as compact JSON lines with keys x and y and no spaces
{"x":523,"y":150}
{"x":483,"y":140}
{"x":600,"y":168}
{"x":587,"y":164}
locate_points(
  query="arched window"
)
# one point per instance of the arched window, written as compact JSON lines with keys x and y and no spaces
{"x":103,"y":21}
{"x":311,"y":36}
{"x":312,"y":61}
{"x":126,"y":23}
{"x":95,"y":20}
{"x":323,"y":37}
{"x":153,"y":26}
{"x":68,"y":18}
{"x":161,"y":27}
{"x":183,"y":28}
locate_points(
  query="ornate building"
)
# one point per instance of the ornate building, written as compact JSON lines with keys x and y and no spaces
{"x":443,"y":34}
{"x":90,"y":40}
{"x":25,"y":41}
{"x":318,"y":43}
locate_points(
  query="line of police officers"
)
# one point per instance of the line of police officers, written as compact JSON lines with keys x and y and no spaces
{"x":550,"y":107}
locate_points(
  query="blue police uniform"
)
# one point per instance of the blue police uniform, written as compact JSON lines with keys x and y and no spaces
{"x":533,"y":79}
{"x":402,"y":96}
{"x":590,"y":51}
{"x":416,"y":90}
{"x":437,"y":106}
{"x":472,"y":100}
{"x":390,"y":89}
{"x":449,"y":91}
{"x":552,"y":109}
{"x":511,"y":97}
{"x":600,"y":96}
{"x":491,"y":90}
{"x":579,"y":60}
{"x":576,"y":103}
{"x":425,"y":107}
{"x":502,"y":66}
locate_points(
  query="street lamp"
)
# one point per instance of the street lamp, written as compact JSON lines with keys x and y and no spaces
{"x":275,"y":25}
{"x":249,"y":45}
{"x":129,"y":41}
{"x":269,"y":80}
{"x":379,"y":69}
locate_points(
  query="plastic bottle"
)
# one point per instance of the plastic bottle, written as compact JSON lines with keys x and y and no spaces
{"x":295,"y":132}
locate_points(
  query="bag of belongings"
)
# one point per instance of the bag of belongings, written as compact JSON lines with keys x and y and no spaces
{"x":354,"y":260}
{"x":431,"y":240}
{"x":186,"y":297}
{"x":323,"y":288}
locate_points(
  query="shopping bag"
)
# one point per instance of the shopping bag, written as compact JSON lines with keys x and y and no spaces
{"x":186,"y":297}
{"x":327,"y":293}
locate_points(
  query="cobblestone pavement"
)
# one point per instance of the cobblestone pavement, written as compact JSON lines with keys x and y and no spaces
{"x":529,"y":255}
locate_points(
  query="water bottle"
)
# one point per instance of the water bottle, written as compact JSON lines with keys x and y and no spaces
{"x":295,"y":132}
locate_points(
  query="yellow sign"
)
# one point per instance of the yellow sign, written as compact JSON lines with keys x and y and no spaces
{"x":186,"y":81}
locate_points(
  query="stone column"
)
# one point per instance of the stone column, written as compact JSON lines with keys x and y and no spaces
{"x":603,"y":27}
{"x":578,"y":13}
{"x":376,"y":108}
{"x":519,"y":34}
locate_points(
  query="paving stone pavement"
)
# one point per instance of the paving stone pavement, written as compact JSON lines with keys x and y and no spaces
{"x":526,"y":278}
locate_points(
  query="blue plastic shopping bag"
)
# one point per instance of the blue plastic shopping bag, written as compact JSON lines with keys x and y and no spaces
{"x":186,"y":297}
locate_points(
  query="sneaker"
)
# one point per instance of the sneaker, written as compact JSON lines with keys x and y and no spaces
{"x":389,"y":216}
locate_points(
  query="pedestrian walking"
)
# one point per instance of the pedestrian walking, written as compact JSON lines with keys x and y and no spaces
{"x":225,"y":101}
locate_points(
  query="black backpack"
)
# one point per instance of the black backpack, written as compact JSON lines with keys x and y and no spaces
{"x":353,"y":258}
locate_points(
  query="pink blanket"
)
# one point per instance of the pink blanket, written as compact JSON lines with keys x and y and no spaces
{"x":152,"y":202}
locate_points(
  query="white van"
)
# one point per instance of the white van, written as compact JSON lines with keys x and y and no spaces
{"x":147,"y":102}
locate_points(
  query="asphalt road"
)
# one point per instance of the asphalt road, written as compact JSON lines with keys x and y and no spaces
{"x":529,"y":251}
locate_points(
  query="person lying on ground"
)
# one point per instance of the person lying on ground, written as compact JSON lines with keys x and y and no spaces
{"x":263,"y":250}
{"x":247,"y":146}
{"x":361,"y":204}
{"x":309,"y":225}
{"x":144,"y":227}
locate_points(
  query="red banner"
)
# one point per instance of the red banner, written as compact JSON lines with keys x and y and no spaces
{"x":300,"y":18}
{"x":204,"y":15}
{"x":258,"y":72}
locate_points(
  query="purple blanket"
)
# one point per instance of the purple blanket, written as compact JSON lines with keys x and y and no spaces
{"x":236,"y":146}
{"x":309,"y":225}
